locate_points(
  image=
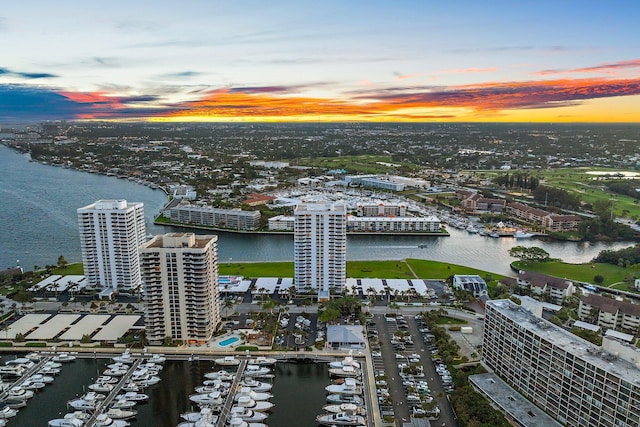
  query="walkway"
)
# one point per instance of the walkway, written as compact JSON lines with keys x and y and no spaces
{"x":226,"y":408}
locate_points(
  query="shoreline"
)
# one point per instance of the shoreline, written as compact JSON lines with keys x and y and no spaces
{"x":290,"y":233}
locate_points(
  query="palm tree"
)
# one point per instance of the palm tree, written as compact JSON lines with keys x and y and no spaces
{"x":227,"y":304}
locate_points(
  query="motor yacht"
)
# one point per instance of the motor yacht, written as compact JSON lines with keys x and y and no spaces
{"x":255,"y":385}
{"x":209,"y":399}
{"x":256,"y":371}
{"x":247,"y":391}
{"x":7,"y":412}
{"x":247,"y":415}
{"x":341,"y":419}
{"x":344,"y":398}
{"x":237,"y":422}
{"x":349,"y":386}
{"x":347,"y":361}
{"x":249,"y":403}
{"x":103,"y":420}
{"x":123,"y":404}
{"x":344,"y":407}
{"x":121,"y":414}
{"x":133,"y":396}
{"x":219,"y":375}
{"x":227,"y":361}
{"x":125,"y":358}
{"x":262,"y":360}
{"x":344,"y":371}
{"x":64,"y":357}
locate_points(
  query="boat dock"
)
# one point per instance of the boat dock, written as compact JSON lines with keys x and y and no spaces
{"x":35,"y":368}
{"x":226,"y":408}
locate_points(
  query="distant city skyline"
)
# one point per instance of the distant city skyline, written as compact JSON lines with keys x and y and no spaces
{"x":496,"y":61}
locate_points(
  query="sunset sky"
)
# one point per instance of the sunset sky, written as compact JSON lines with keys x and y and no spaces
{"x":188,"y":60}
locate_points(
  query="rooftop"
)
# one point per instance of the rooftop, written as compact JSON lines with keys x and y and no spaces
{"x":573,"y":344}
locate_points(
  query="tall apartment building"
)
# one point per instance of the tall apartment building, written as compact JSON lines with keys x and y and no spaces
{"x":180,"y":287}
{"x":111,"y":232}
{"x":320,"y":247}
{"x":572,"y":380}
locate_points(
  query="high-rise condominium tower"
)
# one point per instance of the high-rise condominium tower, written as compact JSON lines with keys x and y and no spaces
{"x":180,"y":287}
{"x":111,"y":232}
{"x":320,"y":247}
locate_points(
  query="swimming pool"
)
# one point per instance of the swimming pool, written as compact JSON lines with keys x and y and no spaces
{"x":228,"y":341}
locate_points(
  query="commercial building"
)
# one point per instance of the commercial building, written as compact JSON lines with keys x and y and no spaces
{"x":320,"y":247}
{"x":111,"y":232}
{"x":381,"y":209}
{"x":572,"y":380}
{"x":180,"y":287}
{"x":208,"y":216}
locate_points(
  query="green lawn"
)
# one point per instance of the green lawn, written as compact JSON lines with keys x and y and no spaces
{"x":75,"y":269}
{"x":257,"y":269}
{"x":580,"y":272}
{"x":426,"y":269}
{"x":358,"y":269}
{"x":378,"y":269}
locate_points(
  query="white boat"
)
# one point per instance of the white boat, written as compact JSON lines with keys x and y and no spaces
{"x":204,"y":418}
{"x":471,"y":229}
{"x":19,"y":393}
{"x":34,"y":356}
{"x":347,"y":361}
{"x":125,"y":358}
{"x":219,"y":375}
{"x":344,"y":407}
{"x":47,"y":379}
{"x":344,"y":398}
{"x":123,"y":404}
{"x":523,"y":235}
{"x":349,"y":386}
{"x":157,"y":358}
{"x":227,"y":361}
{"x":66,"y":422}
{"x":133,"y":396}
{"x":247,"y":391}
{"x":121,"y":414}
{"x":237,"y":422}
{"x":256,"y":371}
{"x":247,"y":414}
{"x":345,"y":371}
{"x":101,"y":387}
{"x":64,"y":357}
{"x":115,"y":372}
{"x":255,"y":385}
{"x":220,"y":386}
{"x":103,"y":420}
{"x":260,"y":406}
{"x":20,"y":361}
{"x":87,"y":402}
{"x":209,"y":399}
{"x":7,"y":412}
{"x":341,"y":419}
{"x":261,"y":360}
{"x":29,"y":384}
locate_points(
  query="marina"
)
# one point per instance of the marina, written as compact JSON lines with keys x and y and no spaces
{"x":119,"y":403}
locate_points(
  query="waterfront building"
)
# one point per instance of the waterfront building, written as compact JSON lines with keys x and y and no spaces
{"x":180,"y":287}
{"x":111,"y":232}
{"x":571,"y":379}
{"x":407,"y":224}
{"x":235,"y":219}
{"x":470,"y":283}
{"x":373,"y":181}
{"x":381,"y":209}
{"x":548,"y":220}
{"x":320,"y":248}
{"x":544,"y":286}
{"x":281,"y":223}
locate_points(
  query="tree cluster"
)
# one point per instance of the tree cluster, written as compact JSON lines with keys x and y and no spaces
{"x":529,"y":254}
{"x":519,"y":180}
{"x":556,"y":197}
{"x":622,"y":257}
{"x":627,"y":187}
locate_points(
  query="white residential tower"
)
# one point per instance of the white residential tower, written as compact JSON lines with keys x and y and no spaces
{"x":111,"y":232}
{"x":320,"y":247}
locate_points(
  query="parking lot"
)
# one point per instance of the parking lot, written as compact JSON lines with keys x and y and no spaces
{"x":406,"y":377}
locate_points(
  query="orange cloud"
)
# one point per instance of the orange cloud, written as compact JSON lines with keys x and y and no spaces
{"x":610,"y":68}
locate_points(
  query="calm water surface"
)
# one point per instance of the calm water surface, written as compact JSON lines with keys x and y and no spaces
{"x":298,"y":394}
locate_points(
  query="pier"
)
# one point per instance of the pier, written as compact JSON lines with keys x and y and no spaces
{"x":104,"y":405}
{"x":226,"y":408}
{"x":24,"y":376}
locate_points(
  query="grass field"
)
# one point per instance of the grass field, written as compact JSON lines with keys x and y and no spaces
{"x":423,"y":269}
{"x":583,"y":185}
{"x":580,"y":272}
{"x":71,"y":269}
